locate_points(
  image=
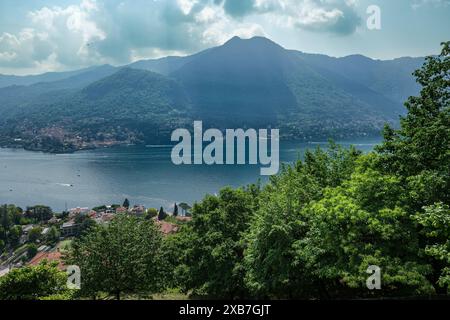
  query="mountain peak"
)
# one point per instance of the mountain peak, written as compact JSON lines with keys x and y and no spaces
{"x":254,"y":41}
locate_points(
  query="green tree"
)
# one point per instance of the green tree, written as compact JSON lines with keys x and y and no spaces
{"x":35,"y":234}
{"x":5,"y":218}
{"x":53,"y":235}
{"x":32,"y":250}
{"x":16,"y":214}
{"x":344,"y":237}
{"x":85,"y":223}
{"x":270,"y":257}
{"x":175,"y":210}
{"x":435,"y":221}
{"x":32,"y":283}
{"x":126,"y":204}
{"x":185,"y":208}
{"x":215,"y":247}
{"x":419,"y":151}
{"x":119,"y":258}
{"x":162,"y":214}
{"x":39,"y":213}
{"x":151,"y":213}
{"x":14,"y":235}
{"x":175,"y":250}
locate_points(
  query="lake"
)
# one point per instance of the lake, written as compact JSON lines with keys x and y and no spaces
{"x":144,"y":175}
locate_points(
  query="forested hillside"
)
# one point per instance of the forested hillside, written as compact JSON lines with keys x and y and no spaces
{"x":243,"y":83}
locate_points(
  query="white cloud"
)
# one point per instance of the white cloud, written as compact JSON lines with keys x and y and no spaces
{"x":56,"y":37}
{"x":336,"y":16}
{"x":118,"y":31}
{"x":186,"y":5}
{"x":416,"y":4}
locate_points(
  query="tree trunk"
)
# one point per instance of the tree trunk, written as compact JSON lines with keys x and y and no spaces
{"x":118,"y":295}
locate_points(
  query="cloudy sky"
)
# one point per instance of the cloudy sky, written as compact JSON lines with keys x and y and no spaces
{"x":54,"y":35}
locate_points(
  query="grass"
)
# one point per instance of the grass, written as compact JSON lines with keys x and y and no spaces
{"x":65,"y":245}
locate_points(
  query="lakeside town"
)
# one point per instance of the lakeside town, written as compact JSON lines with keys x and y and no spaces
{"x":38,"y":234}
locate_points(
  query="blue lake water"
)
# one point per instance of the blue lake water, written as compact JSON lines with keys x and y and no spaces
{"x":144,"y":175}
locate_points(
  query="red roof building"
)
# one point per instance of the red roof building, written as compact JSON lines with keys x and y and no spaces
{"x":50,"y":257}
{"x":167,"y":227}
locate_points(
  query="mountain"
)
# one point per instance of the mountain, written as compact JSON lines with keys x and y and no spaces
{"x":16,"y":98}
{"x":258,"y":83}
{"x":9,"y":80}
{"x":391,"y":78}
{"x":243,"y":83}
{"x":132,"y":106}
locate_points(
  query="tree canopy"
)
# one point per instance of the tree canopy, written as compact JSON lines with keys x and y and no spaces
{"x":122,"y":257}
{"x":32,"y":283}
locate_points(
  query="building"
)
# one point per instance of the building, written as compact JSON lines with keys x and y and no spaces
{"x":167,"y":228}
{"x":137,"y":211}
{"x":26,"y":229}
{"x":54,"y":220}
{"x":74,"y":212}
{"x":121,"y":210}
{"x":70,"y":229}
{"x":107,"y":217}
{"x":54,"y":256}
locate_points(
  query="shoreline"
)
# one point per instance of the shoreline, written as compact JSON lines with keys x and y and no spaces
{"x":312,"y":142}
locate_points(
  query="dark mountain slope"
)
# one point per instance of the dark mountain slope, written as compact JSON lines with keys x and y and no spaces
{"x":167,"y":65}
{"x":9,"y":80}
{"x":251,"y":83}
{"x":241,"y":78}
{"x":391,"y":78}
{"x":258,"y":83}
{"x":129,"y":106}
{"x":16,"y":99}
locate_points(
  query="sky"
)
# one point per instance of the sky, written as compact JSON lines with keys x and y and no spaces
{"x":58,"y":35}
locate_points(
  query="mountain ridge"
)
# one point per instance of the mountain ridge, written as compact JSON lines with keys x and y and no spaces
{"x":243,"y":83}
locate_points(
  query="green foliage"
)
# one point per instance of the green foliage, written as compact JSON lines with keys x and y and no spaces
{"x":14,"y":235}
{"x":151,"y":213}
{"x":126,"y":204}
{"x":175,"y":210}
{"x":331,"y":166}
{"x":174,"y":255}
{"x":67,"y":295}
{"x":35,"y":234}
{"x":162,"y":214}
{"x":435,"y":221}
{"x":11,"y":218}
{"x":214,"y":251}
{"x":32,"y":283}
{"x":99,"y":208}
{"x":39,"y":213}
{"x":5,"y":217}
{"x":53,"y":235}
{"x":419,"y":152}
{"x":32,"y":250}
{"x":343,"y":239}
{"x":270,"y":255}
{"x":122,"y":257}
{"x":185,"y":208}
{"x":85,"y":222}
